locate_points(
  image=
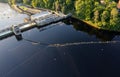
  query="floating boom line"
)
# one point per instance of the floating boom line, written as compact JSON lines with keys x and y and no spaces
{"x":83,"y":43}
{"x":71,"y":44}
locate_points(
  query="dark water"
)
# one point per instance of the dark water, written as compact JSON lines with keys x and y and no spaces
{"x":69,"y":49}
{"x":35,"y":57}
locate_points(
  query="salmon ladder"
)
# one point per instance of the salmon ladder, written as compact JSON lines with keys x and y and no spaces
{"x":37,"y":20}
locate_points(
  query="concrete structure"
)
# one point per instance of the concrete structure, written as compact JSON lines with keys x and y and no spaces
{"x":16,"y":30}
{"x":37,"y":20}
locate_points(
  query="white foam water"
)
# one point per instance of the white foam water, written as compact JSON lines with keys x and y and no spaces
{"x":10,"y":17}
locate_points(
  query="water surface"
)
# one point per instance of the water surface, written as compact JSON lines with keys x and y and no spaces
{"x":33,"y":56}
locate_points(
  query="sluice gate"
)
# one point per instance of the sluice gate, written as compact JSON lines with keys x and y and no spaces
{"x":37,"y":20}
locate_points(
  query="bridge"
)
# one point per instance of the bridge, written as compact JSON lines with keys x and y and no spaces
{"x":39,"y":19}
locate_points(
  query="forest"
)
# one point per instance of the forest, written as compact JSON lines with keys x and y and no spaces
{"x":99,"y":13}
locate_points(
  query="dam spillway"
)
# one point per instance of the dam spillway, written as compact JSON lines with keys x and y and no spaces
{"x":37,"y":20}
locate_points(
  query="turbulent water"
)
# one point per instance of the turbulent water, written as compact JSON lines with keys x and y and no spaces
{"x":9,"y":17}
{"x":64,"y":49}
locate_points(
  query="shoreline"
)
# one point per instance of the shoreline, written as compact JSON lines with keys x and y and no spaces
{"x":30,"y":11}
{"x":95,"y":26}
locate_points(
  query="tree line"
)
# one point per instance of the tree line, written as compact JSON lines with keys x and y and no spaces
{"x":103,"y":14}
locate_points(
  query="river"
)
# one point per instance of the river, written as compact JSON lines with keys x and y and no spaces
{"x":8,"y":14}
{"x":65,"y":49}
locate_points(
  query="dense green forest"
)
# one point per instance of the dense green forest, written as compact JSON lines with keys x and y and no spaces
{"x":100,"y":14}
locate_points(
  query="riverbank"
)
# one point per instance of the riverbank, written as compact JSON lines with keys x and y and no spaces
{"x":22,"y":9}
{"x":25,"y":9}
{"x":110,"y":23}
{"x":102,"y":28}
{"x":89,"y":23}
{"x":115,"y":28}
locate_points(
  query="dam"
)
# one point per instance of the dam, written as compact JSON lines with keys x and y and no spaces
{"x":37,"y":20}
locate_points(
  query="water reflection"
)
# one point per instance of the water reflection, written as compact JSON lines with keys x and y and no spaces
{"x":78,"y":25}
{"x":100,"y":34}
{"x":10,"y":15}
{"x":60,"y":50}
